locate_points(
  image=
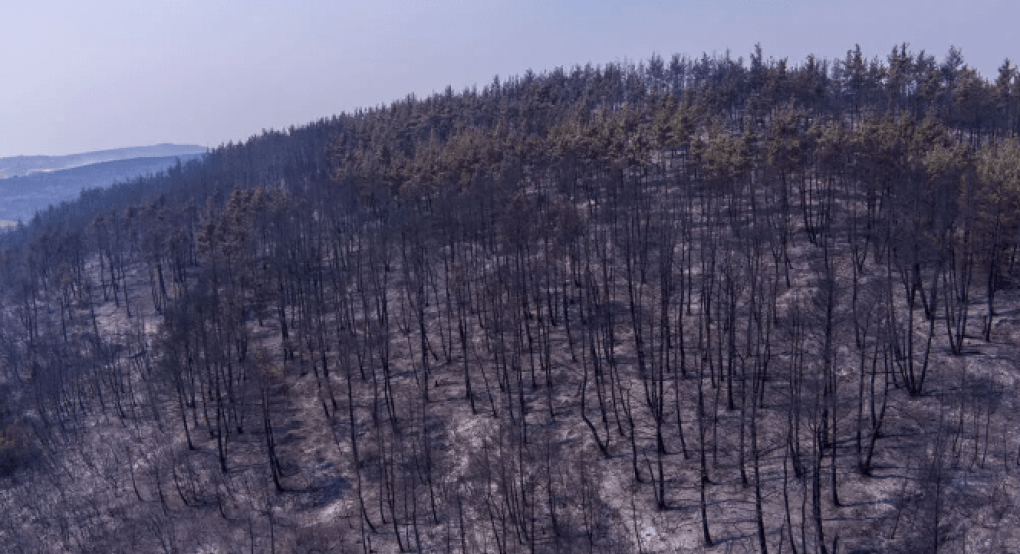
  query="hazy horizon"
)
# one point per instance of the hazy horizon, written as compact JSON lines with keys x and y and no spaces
{"x":103,"y":150}
{"x":115,"y":74}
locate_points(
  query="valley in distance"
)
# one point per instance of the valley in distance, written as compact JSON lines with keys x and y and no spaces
{"x":32,"y":183}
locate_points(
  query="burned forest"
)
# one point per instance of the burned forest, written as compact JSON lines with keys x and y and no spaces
{"x":706,"y":304}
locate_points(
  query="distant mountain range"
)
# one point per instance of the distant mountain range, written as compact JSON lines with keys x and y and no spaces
{"x":19,"y":166}
{"x":34,"y":182}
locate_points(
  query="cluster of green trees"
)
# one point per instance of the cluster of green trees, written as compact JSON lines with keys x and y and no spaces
{"x":671,"y":276}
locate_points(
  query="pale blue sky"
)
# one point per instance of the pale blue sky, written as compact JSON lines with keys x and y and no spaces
{"x":81,"y":75}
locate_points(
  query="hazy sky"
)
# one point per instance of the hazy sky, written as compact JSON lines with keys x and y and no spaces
{"x":87,"y":75}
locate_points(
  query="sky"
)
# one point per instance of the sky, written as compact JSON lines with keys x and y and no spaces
{"x":79,"y":76}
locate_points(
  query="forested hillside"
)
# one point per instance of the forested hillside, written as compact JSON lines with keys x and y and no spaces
{"x":707,"y":304}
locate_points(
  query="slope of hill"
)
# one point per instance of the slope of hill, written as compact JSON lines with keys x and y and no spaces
{"x":19,"y":166}
{"x":20,"y":197}
{"x":680,"y":307}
